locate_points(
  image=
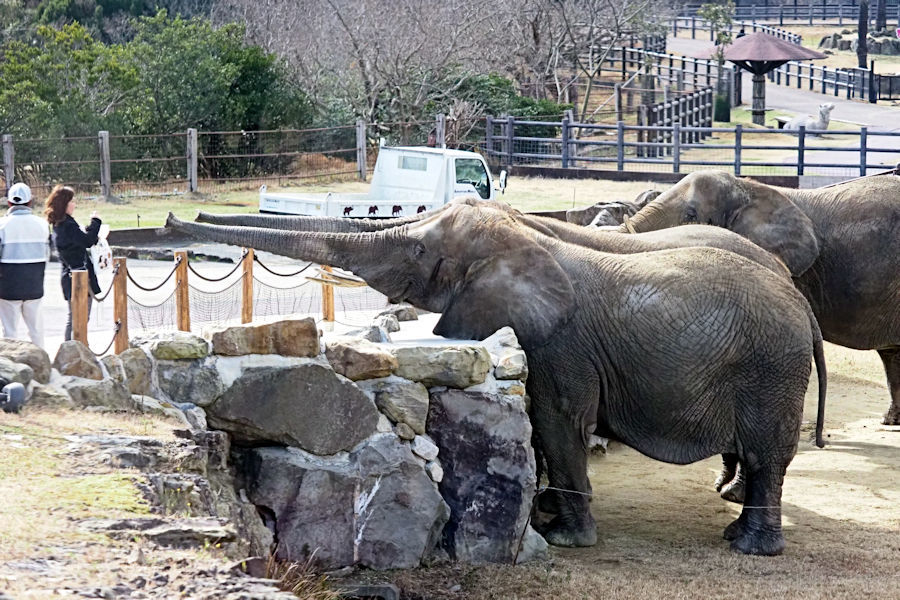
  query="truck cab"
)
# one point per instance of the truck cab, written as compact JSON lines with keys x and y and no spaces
{"x":407,"y":180}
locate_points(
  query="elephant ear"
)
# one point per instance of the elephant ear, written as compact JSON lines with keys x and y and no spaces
{"x":523,"y":288}
{"x":776,"y":224}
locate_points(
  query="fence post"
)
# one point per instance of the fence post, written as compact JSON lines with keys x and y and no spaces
{"x":105,"y":184}
{"x":247,"y":287}
{"x":192,"y":159}
{"x":863,"y":139}
{"x":327,"y":299}
{"x":361,"y":167}
{"x":620,"y":146}
{"x":489,"y":135}
{"x":618,"y":100}
{"x":182,"y":295}
{"x":510,"y":135}
{"x":564,"y":142}
{"x":676,"y":147}
{"x":440,"y":130}
{"x":801,"y":149}
{"x":823,"y":78}
{"x":9,"y":162}
{"x":738,"y":134}
{"x":120,"y":304}
{"x":79,"y":300}
{"x":693,"y":28}
{"x":840,"y":14}
{"x":873,"y":90}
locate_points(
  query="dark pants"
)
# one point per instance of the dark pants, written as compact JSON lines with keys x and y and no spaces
{"x":68,"y":335}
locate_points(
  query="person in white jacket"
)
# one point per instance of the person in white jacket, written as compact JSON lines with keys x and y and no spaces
{"x":24,"y":252}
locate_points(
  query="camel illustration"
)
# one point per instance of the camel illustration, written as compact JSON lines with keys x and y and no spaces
{"x":373,"y":210}
{"x":348,"y":210}
{"x":421,"y":209}
{"x":397,"y":210}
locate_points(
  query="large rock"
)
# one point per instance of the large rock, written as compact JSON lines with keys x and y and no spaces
{"x":15,"y":371}
{"x":453,"y":366}
{"x":356,"y":358}
{"x":195,"y":381}
{"x":106,"y":393}
{"x":403,"y":312}
{"x":114,"y":368}
{"x":489,"y":472}
{"x":138,"y":371}
{"x":403,"y":401}
{"x":76,"y":359}
{"x":374,"y":507}
{"x":49,"y":396}
{"x":27,"y":353}
{"x":291,"y":337}
{"x":308,"y":406}
{"x":173,"y":345}
{"x":507,"y":355}
{"x":148,"y":405}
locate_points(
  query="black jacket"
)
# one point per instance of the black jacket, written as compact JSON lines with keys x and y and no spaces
{"x":72,"y":244}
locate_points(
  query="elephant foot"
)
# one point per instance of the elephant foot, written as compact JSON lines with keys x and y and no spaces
{"x":547,"y":502}
{"x":759,"y":543}
{"x":734,"y":530}
{"x":733,"y":492}
{"x":892,"y":416}
{"x":559,"y":533}
{"x":723,"y":478}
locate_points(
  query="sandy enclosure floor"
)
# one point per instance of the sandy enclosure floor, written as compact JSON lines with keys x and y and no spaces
{"x":660,"y":525}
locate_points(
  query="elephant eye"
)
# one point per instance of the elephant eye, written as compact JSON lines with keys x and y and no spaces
{"x":419,"y":249}
{"x":690,"y":215}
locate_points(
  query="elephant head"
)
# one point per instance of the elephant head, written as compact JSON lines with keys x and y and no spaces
{"x":476,"y":266}
{"x":754,"y":210}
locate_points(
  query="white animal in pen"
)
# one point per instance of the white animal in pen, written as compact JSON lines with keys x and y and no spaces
{"x":813,"y":123}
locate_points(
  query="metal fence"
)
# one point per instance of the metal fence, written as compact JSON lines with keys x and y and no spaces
{"x":677,"y":148}
{"x":808,"y":13}
{"x":214,"y":161}
{"x":693,"y":24}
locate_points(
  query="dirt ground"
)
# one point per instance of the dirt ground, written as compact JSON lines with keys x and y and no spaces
{"x":660,"y":525}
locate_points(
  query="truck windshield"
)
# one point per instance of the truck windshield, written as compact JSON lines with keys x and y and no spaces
{"x":471,"y":171}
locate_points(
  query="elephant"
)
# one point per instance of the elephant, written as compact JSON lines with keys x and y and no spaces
{"x":609,"y":213}
{"x":840,"y":242}
{"x":610,"y":341}
{"x":730,"y":482}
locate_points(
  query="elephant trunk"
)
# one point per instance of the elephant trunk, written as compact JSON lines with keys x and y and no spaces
{"x":349,"y":251}
{"x":652,"y":217}
{"x":301,"y":223}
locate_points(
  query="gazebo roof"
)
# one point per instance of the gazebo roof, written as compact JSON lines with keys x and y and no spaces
{"x":761,"y":52}
{"x":761,"y":46}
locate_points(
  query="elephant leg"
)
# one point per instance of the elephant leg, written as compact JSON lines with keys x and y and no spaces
{"x":729,"y":468}
{"x":758,"y":530}
{"x":566,"y":457}
{"x":735,"y":489}
{"x":891,"y":359}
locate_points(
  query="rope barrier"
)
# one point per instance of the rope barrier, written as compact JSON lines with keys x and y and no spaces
{"x":112,"y":284}
{"x":153,"y":289}
{"x":276,"y":287}
{"x":111,"y":342}
{"x":131,"y":300}
{"x":256,"y":258}
{"x":223,"y":277}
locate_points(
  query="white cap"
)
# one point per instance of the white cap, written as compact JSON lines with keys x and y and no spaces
{"x":19,"y":193}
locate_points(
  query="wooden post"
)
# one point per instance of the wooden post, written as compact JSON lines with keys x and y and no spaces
{"x":192,"y":153}
{"x":564,"y":144}
{"x":80,"y":291}
{"x":801,"y":149}
{"x":489,"y":136}
{"x":9,"y":162}
{"x":618,"y":100}
{"x":105,"y":174}
{"x":738,"y":131}
{"x":247,"y":287}
{"x":620,"y":146}
{"x":759,"y":99}
{"x":182,"y":295}
{"x":440,"y":131}
{"x":327,"y":299}
{"x":120,"y":304}
{"x":676,"y":147}
{"x":510,"y":139}
{"x":361,"y":167}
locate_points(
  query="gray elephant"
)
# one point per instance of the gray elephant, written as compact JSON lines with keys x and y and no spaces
{"x":609,"y":213}
{"x":730,"y":482}
{"x":841,"y":243}
{"x":681,"y":354}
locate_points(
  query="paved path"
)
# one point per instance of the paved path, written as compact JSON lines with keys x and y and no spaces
{"x":876,"y":117}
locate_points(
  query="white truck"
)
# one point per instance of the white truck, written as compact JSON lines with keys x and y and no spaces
{"x":407,"y":180}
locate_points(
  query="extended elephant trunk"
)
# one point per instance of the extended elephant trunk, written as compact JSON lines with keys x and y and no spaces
{"x":301,"y":223}
{"x":345,"y":250}
{"x":652,"y":217}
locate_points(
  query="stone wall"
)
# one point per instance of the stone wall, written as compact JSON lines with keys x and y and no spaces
{"x":360,"y":453}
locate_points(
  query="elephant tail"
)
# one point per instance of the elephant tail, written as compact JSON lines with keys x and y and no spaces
{"x":819,"y":358}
